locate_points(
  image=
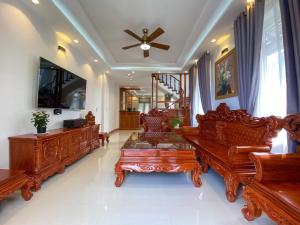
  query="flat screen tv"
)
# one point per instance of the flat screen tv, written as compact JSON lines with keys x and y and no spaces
{"x":59,"y":88}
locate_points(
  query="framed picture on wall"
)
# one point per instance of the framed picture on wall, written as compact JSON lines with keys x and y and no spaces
{"x":226,"y":76}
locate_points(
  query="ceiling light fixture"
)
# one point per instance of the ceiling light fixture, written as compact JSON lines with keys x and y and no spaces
{"x":61,"y":48}
{"x":107,"y":71}
{"x":95,"y":60}
{"x":132,"y":72}
{"x":129,"y":74}
{"x":213,"y":40}
{"x":145,"y":46}
{"x":76,"y":41}
{"x":35,"y":2}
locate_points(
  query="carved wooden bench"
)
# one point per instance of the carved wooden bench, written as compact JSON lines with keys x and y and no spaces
{"x":224,"y":139}
{"x":276,"y":186}
{"x":13,"y":180}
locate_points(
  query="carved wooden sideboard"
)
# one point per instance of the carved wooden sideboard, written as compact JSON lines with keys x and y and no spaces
{"x":41,"y":156}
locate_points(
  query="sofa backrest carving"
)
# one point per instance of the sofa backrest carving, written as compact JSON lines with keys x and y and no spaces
{"x":237,"y":127}
{"x":155,"y":121}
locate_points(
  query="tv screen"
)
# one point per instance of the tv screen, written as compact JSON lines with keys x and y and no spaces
{"x":59,"y":88}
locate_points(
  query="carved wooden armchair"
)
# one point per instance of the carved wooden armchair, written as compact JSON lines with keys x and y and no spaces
{"x":276,"y":186}
{"x":155,"y":121}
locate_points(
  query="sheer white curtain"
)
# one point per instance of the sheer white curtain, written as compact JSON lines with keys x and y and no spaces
{"x":272,"y":89}
{"x":197,"y":106}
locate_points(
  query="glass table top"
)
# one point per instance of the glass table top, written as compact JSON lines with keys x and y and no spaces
{"x":157,"y":140}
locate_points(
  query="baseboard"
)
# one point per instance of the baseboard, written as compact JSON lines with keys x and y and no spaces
{"x":114,"y":130}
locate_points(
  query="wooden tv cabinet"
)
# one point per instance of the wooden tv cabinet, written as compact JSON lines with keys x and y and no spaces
{"x":43,"y":155}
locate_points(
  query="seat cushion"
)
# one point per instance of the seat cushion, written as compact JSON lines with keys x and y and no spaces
{"x":217,"y":150}
{"x":287,"y":192}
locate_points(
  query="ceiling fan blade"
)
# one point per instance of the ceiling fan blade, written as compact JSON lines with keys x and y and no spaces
{"x":133,"y":35}
{"x":146,"y":53}
{"x":155,"y":34}
{"x":131,"y":46}
{"x":161,"y":46}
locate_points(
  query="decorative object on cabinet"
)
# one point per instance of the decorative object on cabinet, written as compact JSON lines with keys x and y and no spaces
{"x":226,"y":76}
{"x":90,"y":118}
{"x":40,"y":120}
{"x":224,"y":139}
{"x":41,"y":156}
{"x":276,"y":185}
{"x":13,"y":180}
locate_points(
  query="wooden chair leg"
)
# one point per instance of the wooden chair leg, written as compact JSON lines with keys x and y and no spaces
{"x":232,"y":185}
{"x":251,"y":211}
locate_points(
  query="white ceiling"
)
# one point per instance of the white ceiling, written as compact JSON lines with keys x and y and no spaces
{"x":177,"y":17}
{"x":101,"y":23}
{"x":98,"y":25}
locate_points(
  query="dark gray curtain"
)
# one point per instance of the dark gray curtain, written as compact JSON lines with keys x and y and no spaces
{"x":290,"y":16}
{"x":191,"y":92}
{"x":248,"y":28}
{"x":203,"y":65}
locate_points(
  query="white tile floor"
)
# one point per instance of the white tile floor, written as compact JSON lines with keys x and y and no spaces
{"x":85,"y":195}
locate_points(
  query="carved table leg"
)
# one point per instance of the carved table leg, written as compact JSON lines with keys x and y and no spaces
{"x":120,"y":175}
{"x":25,"y":191}
{"x":251,"y":210}
{"x":232,"y":185}
{"x":204,"y":163}
{"x":196,"y":176}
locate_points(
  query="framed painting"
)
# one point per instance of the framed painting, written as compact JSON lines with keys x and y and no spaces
{"x":226,"y":76}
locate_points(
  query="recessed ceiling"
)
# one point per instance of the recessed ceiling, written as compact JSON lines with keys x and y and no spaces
{"x":186,"y":25}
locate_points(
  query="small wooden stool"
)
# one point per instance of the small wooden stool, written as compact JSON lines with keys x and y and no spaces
{"x":104,"y":136}
{"x":13,"y":180}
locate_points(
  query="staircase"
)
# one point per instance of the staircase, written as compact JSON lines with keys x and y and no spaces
{"x":175,"y":83}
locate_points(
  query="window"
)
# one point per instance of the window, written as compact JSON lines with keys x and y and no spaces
{"x":197,"y":106}
{"x":272,"y":89}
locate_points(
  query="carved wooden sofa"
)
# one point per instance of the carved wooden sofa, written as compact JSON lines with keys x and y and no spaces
{"x":225,"y":137}
{"x":276,"y":186}
{"x":155,"y":121}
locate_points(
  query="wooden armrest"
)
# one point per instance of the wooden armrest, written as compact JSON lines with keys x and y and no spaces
{"x":187,"y":130}
{"x":240,"y":154}
{"x":276,"y":167}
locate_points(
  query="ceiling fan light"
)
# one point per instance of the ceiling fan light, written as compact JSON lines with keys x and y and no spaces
{"x":145,"y":46}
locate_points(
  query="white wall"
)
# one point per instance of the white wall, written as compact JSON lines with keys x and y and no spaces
{"x":110,"y":100}
{"x":227,"y":41}
{"x":24,"y":38}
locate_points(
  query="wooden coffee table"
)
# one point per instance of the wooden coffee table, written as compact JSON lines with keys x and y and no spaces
{"x":157,"y":152}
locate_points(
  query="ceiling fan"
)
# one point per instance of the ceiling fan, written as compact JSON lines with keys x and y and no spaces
{"x":147,"y":41}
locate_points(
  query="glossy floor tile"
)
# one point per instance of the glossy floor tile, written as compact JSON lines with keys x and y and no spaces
{"x":85,"y":195}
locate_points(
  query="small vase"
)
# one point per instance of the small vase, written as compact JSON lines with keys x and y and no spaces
{"x":41,"y":130}
{"x":223,"y":87}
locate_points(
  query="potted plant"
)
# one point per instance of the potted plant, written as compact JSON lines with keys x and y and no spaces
{"x":168,"y":97}
{"x":175,"y":122}
{"x":40,"y":120}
